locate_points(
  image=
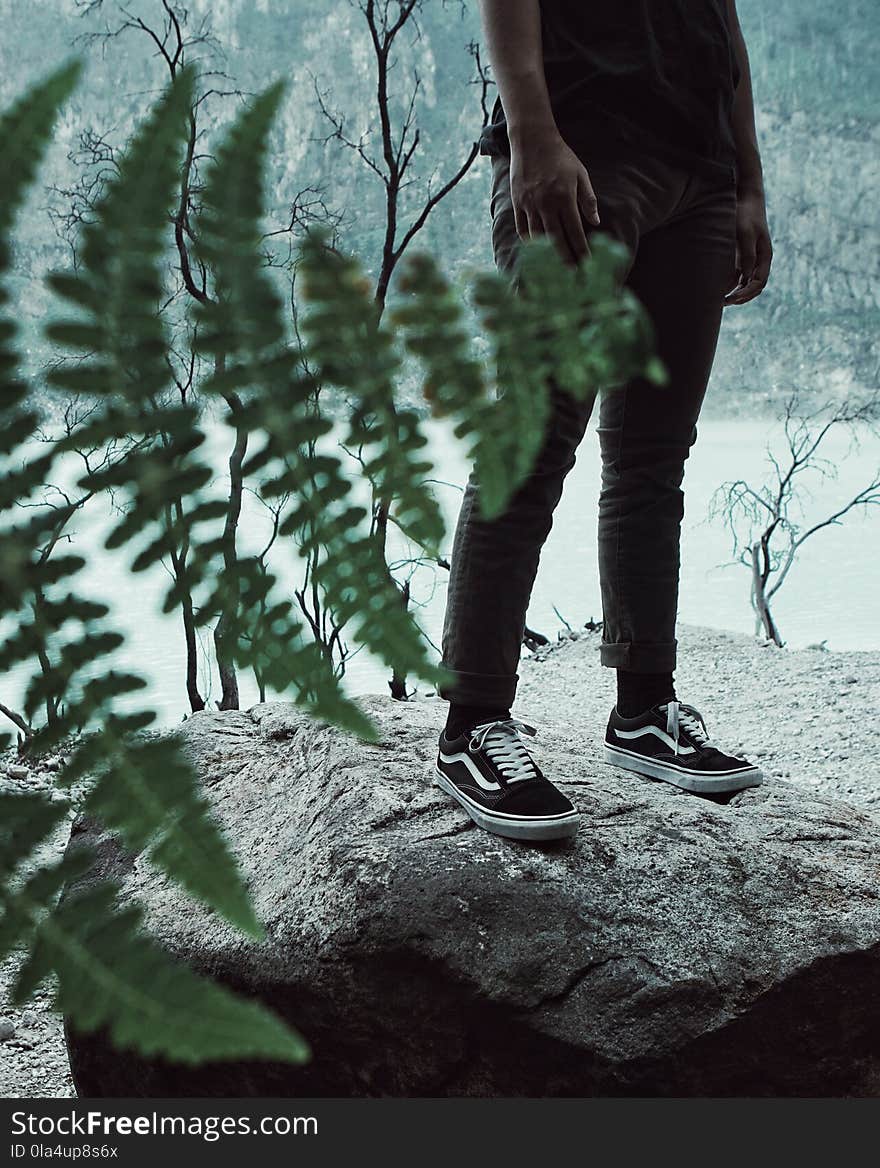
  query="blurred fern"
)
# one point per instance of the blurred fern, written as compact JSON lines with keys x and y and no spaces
{"x":577,"y":328}
{"x":107,"y":972}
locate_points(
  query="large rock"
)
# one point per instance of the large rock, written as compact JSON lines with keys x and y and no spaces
{"x":677,"y":947}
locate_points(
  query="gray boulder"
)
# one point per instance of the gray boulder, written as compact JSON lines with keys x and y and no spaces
{"x":676,"y":947}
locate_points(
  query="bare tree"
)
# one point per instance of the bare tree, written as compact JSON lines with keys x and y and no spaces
{"x":175,"y":44}
{"x":176,"y":39}
{"x":64,"y":504}
{"x":766,"y":533}
{"x":390,"y":144}
{"x":388,"y":148}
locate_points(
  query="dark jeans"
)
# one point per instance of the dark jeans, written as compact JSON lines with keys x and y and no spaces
{"x":680,"y":229}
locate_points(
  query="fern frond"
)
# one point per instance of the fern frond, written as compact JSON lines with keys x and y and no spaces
{"x":23,"y":906}
{"x":143,"y":790}
{"x":243,"y":320}
{"x":349,"y":348}
{"x":146,"y":792}
{"x":347,"y":560}
{"x":110,"y":974}
{"x":26,"y":819}
{"x":242,"y":327}
{"x":243,"y":324}
{"x":576,"y":328}
{"x":596,"y":332}
{"x":25,"y":130}
{"x":119,"y":282}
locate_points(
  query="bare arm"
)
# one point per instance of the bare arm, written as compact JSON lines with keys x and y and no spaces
{"x":513,"y":36}
{"x":550,"y":187}
{"x":754,"y":249}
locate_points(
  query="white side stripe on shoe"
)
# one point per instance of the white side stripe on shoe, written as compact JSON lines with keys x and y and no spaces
{"x":478,"y":775}
{"x":661,"y":734}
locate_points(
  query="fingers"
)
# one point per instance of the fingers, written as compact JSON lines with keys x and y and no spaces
{"x":747,"y":256}
{"x":586,"y":199}
{"x":753,"y":263}
{"x":563,"y":220}
{"x":743,"y":293}
{"x":521,"y":221}
{"x":575,"y":235}
{"x":557,"y":229}
{"x":564,"y":227}
{"x":764,"y":253}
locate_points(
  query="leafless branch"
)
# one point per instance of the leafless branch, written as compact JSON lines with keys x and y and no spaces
{"x":766,"y":535}
{"x":16,"y":720}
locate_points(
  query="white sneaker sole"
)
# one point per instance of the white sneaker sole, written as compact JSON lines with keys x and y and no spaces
{"x":726,"y":781}
{"x":515,"y":827}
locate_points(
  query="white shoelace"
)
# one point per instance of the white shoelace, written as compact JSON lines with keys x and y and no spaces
{"x":679,"y":716}
{"x":502,"y":743}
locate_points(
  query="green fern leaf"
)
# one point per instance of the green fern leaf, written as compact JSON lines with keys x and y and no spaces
{"x":349,"y":348}
{"x":109,"y":974}
{"x":244,"y":323}
{"x":25,"y":130}
{"x":120,"y":279}
{"x":25,"y":821}
{"x":146,"y":792}
{"x":578,"y":329}
{"x":243,"y":320}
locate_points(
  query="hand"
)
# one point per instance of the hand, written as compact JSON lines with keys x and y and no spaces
{"x":754,"y":252}
{"x":552,"y":194}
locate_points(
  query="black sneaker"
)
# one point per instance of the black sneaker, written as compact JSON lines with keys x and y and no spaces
{"x":492,"y":775}
{"x":670,"y":742}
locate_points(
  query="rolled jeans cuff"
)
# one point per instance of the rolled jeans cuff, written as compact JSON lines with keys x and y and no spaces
{"x":639,"y":657}
{"x":480,"y":689}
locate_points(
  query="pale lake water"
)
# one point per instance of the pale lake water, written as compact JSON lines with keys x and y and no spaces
{"x":830,"y":595}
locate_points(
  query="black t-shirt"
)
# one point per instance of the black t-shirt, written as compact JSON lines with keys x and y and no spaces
{"x":637,"y":75}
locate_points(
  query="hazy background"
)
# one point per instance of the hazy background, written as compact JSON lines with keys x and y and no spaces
{"x":815,"y":73}
{"x":817,"y":90}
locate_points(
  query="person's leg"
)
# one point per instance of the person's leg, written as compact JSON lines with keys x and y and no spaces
{"x":494,"y":562}
{"x":483,"y":762}
{"x":493,"y":568}
{"x":682,"y":270}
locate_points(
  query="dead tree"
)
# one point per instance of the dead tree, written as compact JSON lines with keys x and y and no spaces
{"x":65,"y":504}
{"x":176,"y":39}
{"x":388,"y":149}
{"x":761,"y":519}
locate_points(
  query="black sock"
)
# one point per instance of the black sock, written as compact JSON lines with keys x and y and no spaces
{"x":461,"y":718}
{"x":637,"y":692}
